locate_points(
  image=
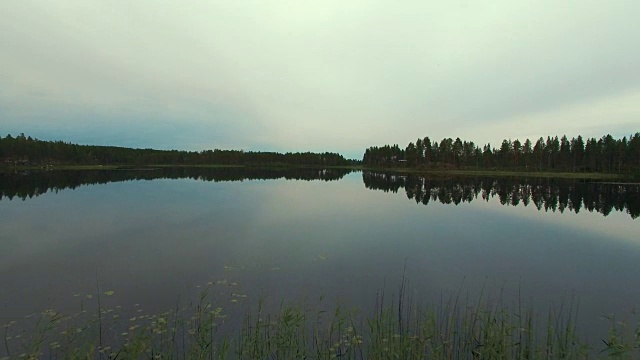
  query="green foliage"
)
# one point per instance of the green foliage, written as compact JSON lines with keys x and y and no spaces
{"x":25,"y":150}
{"x":606,"y":155}
{"x":454,"y":329}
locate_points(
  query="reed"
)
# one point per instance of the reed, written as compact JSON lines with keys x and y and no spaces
{"x":396,"y":328}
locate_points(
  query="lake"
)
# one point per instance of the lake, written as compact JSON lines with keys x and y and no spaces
{"x":158,"y":237}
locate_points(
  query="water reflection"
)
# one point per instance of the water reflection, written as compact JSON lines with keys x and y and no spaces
{"x":25,"y":185}
{"x":548,"y":194}
{"x":153,"y":242}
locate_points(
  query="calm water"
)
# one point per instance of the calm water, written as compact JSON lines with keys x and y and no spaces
{"x":154,"y":236}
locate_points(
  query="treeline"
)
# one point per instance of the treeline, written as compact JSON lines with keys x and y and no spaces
{"x":548,"y":194}
{"x":29,"y":184}
{"x":23,"y":150}
{"x":553,"y":154}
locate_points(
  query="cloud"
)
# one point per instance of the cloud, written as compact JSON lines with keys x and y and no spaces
{"x":318,"y":75}
{"x":589,"y":119}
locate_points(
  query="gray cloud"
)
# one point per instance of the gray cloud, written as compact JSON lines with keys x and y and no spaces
{"x":316,"y":75}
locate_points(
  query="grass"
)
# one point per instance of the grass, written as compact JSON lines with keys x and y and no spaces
{"x":392,"y":329}
{"x":501,"y":173}
{"x":401,"y":170}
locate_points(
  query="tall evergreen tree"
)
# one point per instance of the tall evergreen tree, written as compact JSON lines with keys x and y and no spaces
{"x":420,"y":150}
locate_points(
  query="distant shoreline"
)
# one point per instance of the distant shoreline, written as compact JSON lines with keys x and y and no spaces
{"x":505,"y":173}
{"x":630,"y":178}
{"x":66,"y":167}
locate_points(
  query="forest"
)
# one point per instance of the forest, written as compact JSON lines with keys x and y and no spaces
{"x":607,"y":155}
{"x":604,"y":155}
{"x":24,"y":150}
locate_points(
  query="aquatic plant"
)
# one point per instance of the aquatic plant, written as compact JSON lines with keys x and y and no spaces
{"x":455,"y":328}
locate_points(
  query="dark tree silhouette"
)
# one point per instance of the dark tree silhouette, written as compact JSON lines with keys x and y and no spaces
{"x":25,"y":150}
{"x":553,"y":154}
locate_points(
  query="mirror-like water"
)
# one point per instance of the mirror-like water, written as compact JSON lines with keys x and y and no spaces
{"x":152,"y":236}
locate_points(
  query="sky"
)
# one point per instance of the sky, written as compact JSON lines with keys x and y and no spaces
{"x":330,"y":75}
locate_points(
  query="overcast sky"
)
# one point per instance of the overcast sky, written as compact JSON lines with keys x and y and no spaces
{"x":335,"y":75}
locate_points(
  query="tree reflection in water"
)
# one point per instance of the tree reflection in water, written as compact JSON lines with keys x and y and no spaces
{"x":25,"y":185}
{"x":543,"y":193}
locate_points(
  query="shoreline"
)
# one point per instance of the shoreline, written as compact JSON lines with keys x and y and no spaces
{"x":628,"y":178}
{"x":505,"y":173}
